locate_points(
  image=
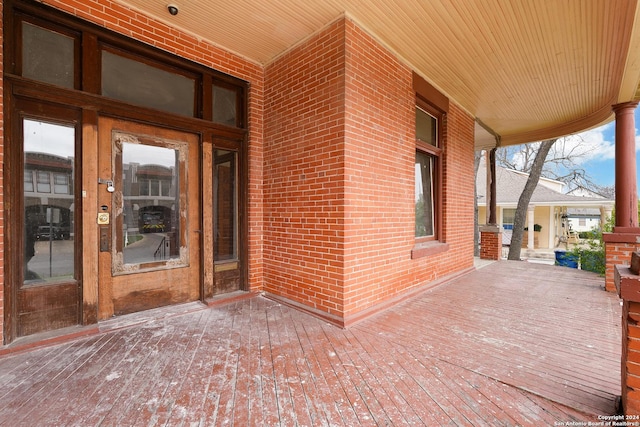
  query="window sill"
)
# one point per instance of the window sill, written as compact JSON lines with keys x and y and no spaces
{"x":426,"y":249}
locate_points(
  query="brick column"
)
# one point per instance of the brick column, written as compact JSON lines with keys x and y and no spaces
{"x":618,"y":248}
{"x":627,"y":282}
{"x":625,"y":238}
{"x":491,"y":242}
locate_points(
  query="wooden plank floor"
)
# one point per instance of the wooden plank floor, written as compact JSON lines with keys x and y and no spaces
{"x":509,"y":344}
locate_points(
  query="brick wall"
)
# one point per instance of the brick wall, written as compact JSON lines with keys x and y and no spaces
{"x":304,"y":172}
{"x":616,"y":253}
{"x":339,"y":177}
{"x":631,"y":358}
{"x":491,"y":247}
{"x":380,"y":215}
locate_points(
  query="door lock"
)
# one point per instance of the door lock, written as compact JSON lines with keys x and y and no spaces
{"x":109,"y":182}
{"x":103,"y":218}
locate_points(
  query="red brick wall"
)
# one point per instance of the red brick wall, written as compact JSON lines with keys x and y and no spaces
{"x":631,"y":358}
{"x":339,"y":177}
{"x":304,"y":172}
{"x":380,"y":158}
{"x":491,"y":247}
{"x":616,"y":253}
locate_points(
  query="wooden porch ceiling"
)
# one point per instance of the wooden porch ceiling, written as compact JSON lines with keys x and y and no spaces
{"x":527,"y":70}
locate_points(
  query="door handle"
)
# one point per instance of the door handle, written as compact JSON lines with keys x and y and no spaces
{"x":104,"y":239}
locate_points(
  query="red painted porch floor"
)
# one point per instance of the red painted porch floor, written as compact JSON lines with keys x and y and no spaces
{"x":510,"y":344}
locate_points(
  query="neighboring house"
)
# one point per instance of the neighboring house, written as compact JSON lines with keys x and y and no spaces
{"x":555,"y":213}
{"x":585,"y":219}
{"x":318,"y":153}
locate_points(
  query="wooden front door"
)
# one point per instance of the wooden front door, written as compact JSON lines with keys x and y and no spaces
{"x":148,"y":217}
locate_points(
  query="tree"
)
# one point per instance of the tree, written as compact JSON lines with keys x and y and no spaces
{"x":562,"y":162}
{"x":535,"y":172}
{"x":476,"y":234}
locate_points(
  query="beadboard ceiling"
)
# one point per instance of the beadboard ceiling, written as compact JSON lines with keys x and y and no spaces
{"x":526,"y":69}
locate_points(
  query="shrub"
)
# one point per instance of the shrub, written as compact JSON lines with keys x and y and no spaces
{"x":592,"y":258}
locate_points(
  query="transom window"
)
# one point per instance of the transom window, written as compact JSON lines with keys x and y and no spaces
{"x":52,"y":54}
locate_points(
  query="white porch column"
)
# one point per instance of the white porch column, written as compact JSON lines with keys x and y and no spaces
{"x":552,"y":233}
{"x":605,"y":214}
{"x":530,"y":210}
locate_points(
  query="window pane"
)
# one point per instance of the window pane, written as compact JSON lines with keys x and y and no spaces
{"x":44,"y":184}
{"x":141,"y":84}
{"x":49,"y":218}
{"x":508,"y":216}
{"x":224,"y":106}
{"x":155,"y":188}
{"x":151,"y":223}
{"x":225,"y":222}
{"x":61,"y":183}
{"x":426,"y":127}
{"x":47,"y":56}
{"x":424,"y":195}
{"x":28,"y":180}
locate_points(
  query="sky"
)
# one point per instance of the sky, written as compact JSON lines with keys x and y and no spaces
{"x":600,"y":143}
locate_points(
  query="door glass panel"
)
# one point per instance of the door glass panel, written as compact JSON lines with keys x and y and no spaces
{"x":141,"y":84}
{"x":225,"y":206}
{"x":151,"y":207}
{"x":47,"y":56}
{"x":49,"y":252}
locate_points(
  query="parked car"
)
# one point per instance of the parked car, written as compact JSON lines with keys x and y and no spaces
{"x":153,"y":222}
{"x":46,"y":232}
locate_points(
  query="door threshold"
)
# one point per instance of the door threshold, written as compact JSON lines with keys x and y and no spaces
{"x":230,"y":297}
{"x":48,"y":338}
{"x":62,"y":335}
{"x":146,"y":316}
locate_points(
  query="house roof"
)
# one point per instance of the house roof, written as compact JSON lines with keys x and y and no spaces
{"x":509,"y":186}
{"x":527,"y":70}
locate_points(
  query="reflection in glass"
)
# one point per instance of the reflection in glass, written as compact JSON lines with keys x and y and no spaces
{"x":424,"y":195}
{"x":49,"y":151}
{"x":151,"y":203}
{"x":225,"y":202}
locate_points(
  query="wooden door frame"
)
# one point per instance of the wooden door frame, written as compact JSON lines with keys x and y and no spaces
{"x":125,"y":288}
{"x":19,"y":108}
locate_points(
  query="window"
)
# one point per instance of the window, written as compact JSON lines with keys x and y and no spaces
{"x":48,"y":218}
{"x":44,"y":182}
{"x":139,"y":83}
{"x":225,"y":203}
{"x":28,"y":181}
{"x":47,"y":56}
{"x":427,"y":174}
{"x":225,"y":105}
{"x":508,"y":218}
{"x":61,"y":183}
